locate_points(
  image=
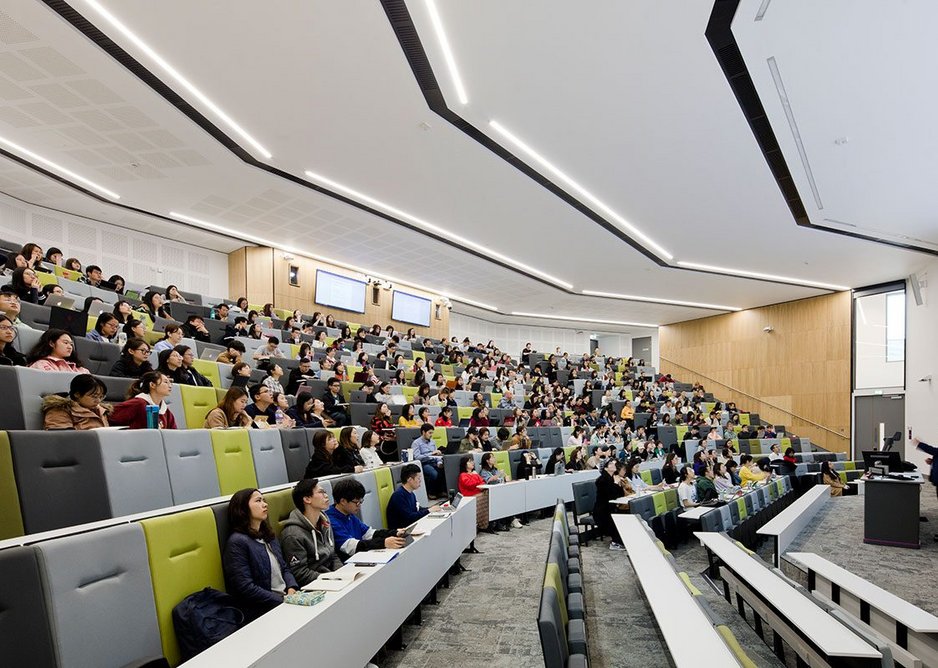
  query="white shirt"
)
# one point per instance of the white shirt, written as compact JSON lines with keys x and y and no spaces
{"x":687,"y":491}
{"x":370,"y":457}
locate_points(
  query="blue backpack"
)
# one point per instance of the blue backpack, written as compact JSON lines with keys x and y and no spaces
{"x":204,"y":618}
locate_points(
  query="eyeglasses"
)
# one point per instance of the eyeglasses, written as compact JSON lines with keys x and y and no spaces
{"x":7,"y":328}
{"x":143,"y":350}
{"x":356,"y":502}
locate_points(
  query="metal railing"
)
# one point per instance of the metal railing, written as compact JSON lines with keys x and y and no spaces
{"x":785,"y":411}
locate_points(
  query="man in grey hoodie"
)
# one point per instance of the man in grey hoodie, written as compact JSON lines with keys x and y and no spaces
{"x":307,"y":541}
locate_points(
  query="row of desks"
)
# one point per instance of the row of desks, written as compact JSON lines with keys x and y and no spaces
{"x":521,"y":496}
{"x":349,"y":627}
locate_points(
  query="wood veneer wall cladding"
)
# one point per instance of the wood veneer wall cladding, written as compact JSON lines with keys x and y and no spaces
{"x":262,"y":275}
{"x":802,"y":366}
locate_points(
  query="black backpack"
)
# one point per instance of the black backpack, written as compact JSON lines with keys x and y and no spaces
{"x":204,"y":618}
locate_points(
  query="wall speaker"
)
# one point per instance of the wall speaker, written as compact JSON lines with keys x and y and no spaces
{"x":916,"y":289}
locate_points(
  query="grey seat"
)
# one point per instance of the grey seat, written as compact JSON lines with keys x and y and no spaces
{"x":362,"y":413}
{"x":190,"y":461}
{"x":296,"y":454}
{"x":117,"y":388}
{"x":584,"y":500}
{"x":60,"y":477}
{"x":35,"y":315}
{"x":370,"y":511}
{"x":421,"y":492}
{"x":24,"y":391}
{"x":269,"y":463}
{"x":135,"y":470}
{"x":95,"y":583}
{"x":557,"y":640}
{"x":97,"y":357}
{"x":25,"y":635}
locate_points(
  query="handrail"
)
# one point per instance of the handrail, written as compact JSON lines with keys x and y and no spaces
{"x":761,"y":401}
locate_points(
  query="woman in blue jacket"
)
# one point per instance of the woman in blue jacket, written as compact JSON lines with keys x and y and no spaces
{"x":255,"y":572}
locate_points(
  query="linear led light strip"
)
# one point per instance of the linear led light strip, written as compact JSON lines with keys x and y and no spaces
{"x":296,"y":251}
{"x":584,"y":193}
{"x":58,"y":168}
{"x":755,"y":274}
{"x":361,"y":197}
{"x":550,"y":316}
{"x":658,"y":300}
{"x":173,"y":72}
{"x":447,"y":51}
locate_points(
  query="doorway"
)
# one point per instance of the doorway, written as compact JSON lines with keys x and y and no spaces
{"x":641,"y":348}
{"x":877,"y":417}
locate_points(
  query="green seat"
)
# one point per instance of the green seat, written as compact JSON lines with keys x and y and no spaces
{"x":850,"y":466}
{"x":567,"y":450}
{"x":670,"y":495}
{"x":385,"y":489}
{"x":784,"y":444}
{"x":335,"y":431}
{"x":646,"y":476}
{"x":755,"y":446}
{"x":184,"y":558}
{"x":196,"y":403}
{"x":233,"y":460}
{"x":773,"y":490}
{"x":687,"y":583}
{"x":661,"y":503}
{"x":347,"y":388}
{"x":447,"y":370}
{"x":744,"y":418}
{"x":494,"y":398}
{"x":11,"y":519}
{"x":843,"y":476}
{"x":681,"y":430}
{"x":439,"y":438}
{"x":279,"y":507}
{"x":209,"y":369}
{"x":780,"y":487}
{"x":552,"y":580}
{"x":464,"y":412}
{"x":735,"y":647}
{"x":410,"y":392}
{"x":741,"y":504}
{"x":503,"y":463}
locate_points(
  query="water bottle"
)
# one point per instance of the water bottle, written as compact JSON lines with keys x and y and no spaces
{"x":278,"y":416}
{"x":153,"y":419}
{"x":121,"y":338}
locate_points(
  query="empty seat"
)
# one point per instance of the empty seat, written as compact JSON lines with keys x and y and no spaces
{"x":295,"y":444}
{"x":11,"y":519}
{"x":269,"y":464}
{"x":97,"y":357}
{"x":95,"y":584}
{"x":233,"y":460}
{"x":184,"y":558}
{"x":24,"y":390}
{"x":25,"y":636}
{"x":196,"y":403}
{"x":135,"y":470}
{"x":190,"y":460}
{"x":60,"y":477}
{"x":385,"y":485}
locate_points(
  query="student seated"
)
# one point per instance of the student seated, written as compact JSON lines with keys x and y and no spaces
{"x":687,"y":490}
{"x":264,"y":410}
{"x":194,"y":328}
{"x":749,"y":472}
{"x":370,"y":442}
{"x":348,"y":453}
{"x":55,"y":351}
{"x":9,"y":355}
{"x":831,"y":478}
{"x":351,"y":534}
{"x":403,"y":509}
{"x":134,"y":360}
{"x":706,"y":484}
{"x":431,"y":459}
{"x":151,"y":389}
{"x":470,"y":484}
{"x":322,"y":463}
{"x":81,"y":409}
{"x":255,"y":572}
{"x":334,"y":403}
{"x":229,"y":412}
{"x":307,"y":539}
{"x":172,"y":336}
{"x":188,"y":374}
{"x":232,"y":353}
{"x":529,"y":466}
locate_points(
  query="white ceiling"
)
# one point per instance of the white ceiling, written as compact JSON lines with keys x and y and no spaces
{"x":627,"y":98}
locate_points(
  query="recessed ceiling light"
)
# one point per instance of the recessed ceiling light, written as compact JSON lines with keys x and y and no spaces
{"x":436,"y":229}
{"x":658,"y":300}
{"x":175,"y":74}
{"x":756,"y":274}
{"x":296,"y":251}
{"x":584,"y":193}
{"x":447,"y":51}
{"x":16,"y":148}
{"x":551,"y":316}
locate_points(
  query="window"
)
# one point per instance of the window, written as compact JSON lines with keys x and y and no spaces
{"x":895,"y":327}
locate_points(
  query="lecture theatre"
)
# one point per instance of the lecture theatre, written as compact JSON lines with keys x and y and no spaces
{"x":429,"y":333}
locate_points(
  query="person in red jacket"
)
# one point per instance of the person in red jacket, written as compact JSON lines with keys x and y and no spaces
{"x":469,"y":484}
{"x":446,"y":417}
{"x":151,"y":389}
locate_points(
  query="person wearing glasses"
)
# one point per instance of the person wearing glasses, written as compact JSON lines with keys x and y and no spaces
{"x":81,"y":409}
{"x":25,"y":284}
{"x":9,"y":356}
{"x":306,"y":538}
{"x":134,"y":360}
{"x":10,"y":306}
{"x":351,"y":534}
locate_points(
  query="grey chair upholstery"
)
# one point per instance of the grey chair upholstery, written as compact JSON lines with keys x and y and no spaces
{"x":269,"y":463}
{"x":135,"y":470}
{"x":295,"y":445}
{"x":25,"y":635}
{"x":362,"y":413}
{"x":97,"y":357}
{"x":35,"y":315}
{"x":190,"y":461}
{"x":60,"y":477}
{"x":176,"y":406}
{"x":21,"y":407}
{"x":370,"y":511}
{"x":96,"y":583}
{"x":451,"y":470}
{"x":117,"y":388}
{"x":421,"y":492}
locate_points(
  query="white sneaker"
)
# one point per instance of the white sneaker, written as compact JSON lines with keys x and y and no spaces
{"x":516,"y":524}
{"x":615,"y":546}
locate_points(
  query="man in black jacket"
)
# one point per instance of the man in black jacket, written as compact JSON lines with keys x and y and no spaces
{"x":195,"y":329}
{"x":334,"y":404}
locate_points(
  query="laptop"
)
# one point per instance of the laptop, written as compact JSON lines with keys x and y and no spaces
{"x":464,"y":422}
{"x":73,"y":322}
{"x":97,"y":308}
{"x":132,"y":294}
{"x":60,"y":300}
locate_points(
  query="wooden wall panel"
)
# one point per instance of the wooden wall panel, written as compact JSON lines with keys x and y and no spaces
{"x":266,"y":279}
{"x":802,"y":366}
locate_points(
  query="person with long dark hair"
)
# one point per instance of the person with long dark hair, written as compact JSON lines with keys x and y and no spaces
{"x":135,"y":329}
{"x":25,"y":284}
{"x":608,"y":488}
{"x":188,"y":374}
{"x":229,"y":412}
{"x":123,"y":311}
{"x":134,"y":360}
{"x":9,"y":355}
{"x":81,"y":409}
{"x":831,"y":478}
{"x":255,"y":572}
{"x":105,"y":328}
{"x":153,"y":305}
{"x":322,"y":463}
{"x":151,"y":389}
{"x":55,"y":351}
{"x":347,"y":454}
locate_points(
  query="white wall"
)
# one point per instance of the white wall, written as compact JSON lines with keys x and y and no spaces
{"x":511,"y":338}
{"x":871,"y":368}
{"x":921,"y":358}
{"x":136,"y":256}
